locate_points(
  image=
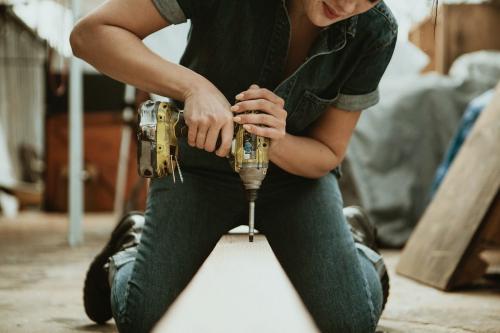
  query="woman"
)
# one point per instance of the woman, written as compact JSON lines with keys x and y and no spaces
{"x":311,"y":67}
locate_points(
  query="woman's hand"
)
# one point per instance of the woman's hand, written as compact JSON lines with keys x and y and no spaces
{"x":271,"y":123}
{"x":207,"y":114}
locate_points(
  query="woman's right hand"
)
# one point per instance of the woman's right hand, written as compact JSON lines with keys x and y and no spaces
{"x":208,"y":114}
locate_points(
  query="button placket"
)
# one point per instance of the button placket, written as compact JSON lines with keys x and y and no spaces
{"x":274,"y":63}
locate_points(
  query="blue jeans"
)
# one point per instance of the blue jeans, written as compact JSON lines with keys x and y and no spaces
{"x":302,"y":220}
{"x":473,"y":111}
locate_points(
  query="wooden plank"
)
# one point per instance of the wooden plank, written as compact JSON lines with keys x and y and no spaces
{"x":472,"y":266}
{"x":451,"y":221}
{"x":454,"y":38}
{"x":242,"y":288}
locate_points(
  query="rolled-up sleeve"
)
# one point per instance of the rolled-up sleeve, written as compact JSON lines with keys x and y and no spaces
{"x":174,"y":11}
{"x":360,"y":91}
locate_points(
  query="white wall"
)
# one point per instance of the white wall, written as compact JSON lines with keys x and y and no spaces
{"x":22,"y":92}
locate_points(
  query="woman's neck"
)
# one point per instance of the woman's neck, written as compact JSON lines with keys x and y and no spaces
{"x":303,"y":34}
{"x":299,"y":19}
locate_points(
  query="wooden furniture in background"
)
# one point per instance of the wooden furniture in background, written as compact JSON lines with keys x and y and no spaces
{"x":423,"y":36}
{"x":460,"y":29}
{"x":102,"y":133}
{"x":464,"y":217}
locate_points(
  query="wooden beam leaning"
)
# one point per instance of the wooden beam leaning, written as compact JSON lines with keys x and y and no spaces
{"x":472,"y":266}
{"x":443,"y":250}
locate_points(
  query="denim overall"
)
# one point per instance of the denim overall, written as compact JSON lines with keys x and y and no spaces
{"x":235,"y":43}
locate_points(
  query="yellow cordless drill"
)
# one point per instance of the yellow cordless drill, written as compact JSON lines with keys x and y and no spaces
{"x":160,"y":124}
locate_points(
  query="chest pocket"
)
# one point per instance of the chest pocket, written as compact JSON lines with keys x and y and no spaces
{"x":308,"y":108}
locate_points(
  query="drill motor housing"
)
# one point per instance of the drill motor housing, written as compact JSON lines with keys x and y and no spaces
{"x":161,"y":124}
{"x":157,"y":146}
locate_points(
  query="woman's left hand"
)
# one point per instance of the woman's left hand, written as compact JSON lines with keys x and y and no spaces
{"x":271,"y":123}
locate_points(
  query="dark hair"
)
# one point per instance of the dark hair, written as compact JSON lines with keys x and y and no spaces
{"x":435,"y":5}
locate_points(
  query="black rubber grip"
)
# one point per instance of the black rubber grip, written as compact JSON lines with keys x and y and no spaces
{"x":181,"y":130}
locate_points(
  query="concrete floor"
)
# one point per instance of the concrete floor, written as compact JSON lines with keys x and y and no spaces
{"x":41,"y":285}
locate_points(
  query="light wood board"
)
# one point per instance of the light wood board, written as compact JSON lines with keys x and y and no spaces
{"x":457,"y":216}
{"x":241,"y":288}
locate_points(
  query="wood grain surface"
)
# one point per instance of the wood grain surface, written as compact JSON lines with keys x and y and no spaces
{"x":456,"y":216}
{"x":241,"y":288}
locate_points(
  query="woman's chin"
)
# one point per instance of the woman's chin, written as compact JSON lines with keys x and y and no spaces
{"x":321,"y":21}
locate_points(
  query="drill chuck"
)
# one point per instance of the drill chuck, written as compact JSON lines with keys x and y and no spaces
{"x":250,"y":161}
{"x":251,"y":218}
{"x":251,"y":194}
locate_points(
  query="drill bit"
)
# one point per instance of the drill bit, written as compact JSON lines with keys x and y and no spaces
{"x":179,"y":169}
{"x":172,"y":167}
{"x":251,"y":220}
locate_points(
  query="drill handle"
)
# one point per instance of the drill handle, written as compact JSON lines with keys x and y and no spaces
{"x":181,"y":129}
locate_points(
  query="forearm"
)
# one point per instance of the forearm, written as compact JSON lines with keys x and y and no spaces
{"x":122,"y":55}
{"x":303,"y":156}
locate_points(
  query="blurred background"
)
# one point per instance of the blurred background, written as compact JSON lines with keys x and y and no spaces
{"x":442,"y":76}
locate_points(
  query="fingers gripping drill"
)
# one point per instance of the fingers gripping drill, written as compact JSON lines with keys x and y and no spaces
{"x":160,"y":124}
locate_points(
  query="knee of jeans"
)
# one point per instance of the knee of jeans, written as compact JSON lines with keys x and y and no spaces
{"x":139,"y":316}
{"x":357,"y":315}
{"x":128,"y":306}
{"x":361,"y":323}
{"x":131,"y":324}
{"x":123,"y":325}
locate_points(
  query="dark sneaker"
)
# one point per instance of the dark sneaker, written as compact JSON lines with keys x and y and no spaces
{"x":96,"y":290}
{"x":364,"y":232}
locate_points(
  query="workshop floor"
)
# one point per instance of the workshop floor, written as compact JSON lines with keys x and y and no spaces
{"x":41,"y":280}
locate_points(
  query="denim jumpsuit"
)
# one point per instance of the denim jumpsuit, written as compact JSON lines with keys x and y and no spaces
{"x":235,"y":43}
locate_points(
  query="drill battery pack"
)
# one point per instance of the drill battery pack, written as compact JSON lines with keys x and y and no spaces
{"x":157,"y":149}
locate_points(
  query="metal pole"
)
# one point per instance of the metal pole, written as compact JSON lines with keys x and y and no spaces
{"x":75,"y":234}
{"x":122,"y":170}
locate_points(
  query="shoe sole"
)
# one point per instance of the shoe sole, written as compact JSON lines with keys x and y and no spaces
{"x":385,"y":289}
{"x":96,"y":289}
{"x":372,"y":243}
